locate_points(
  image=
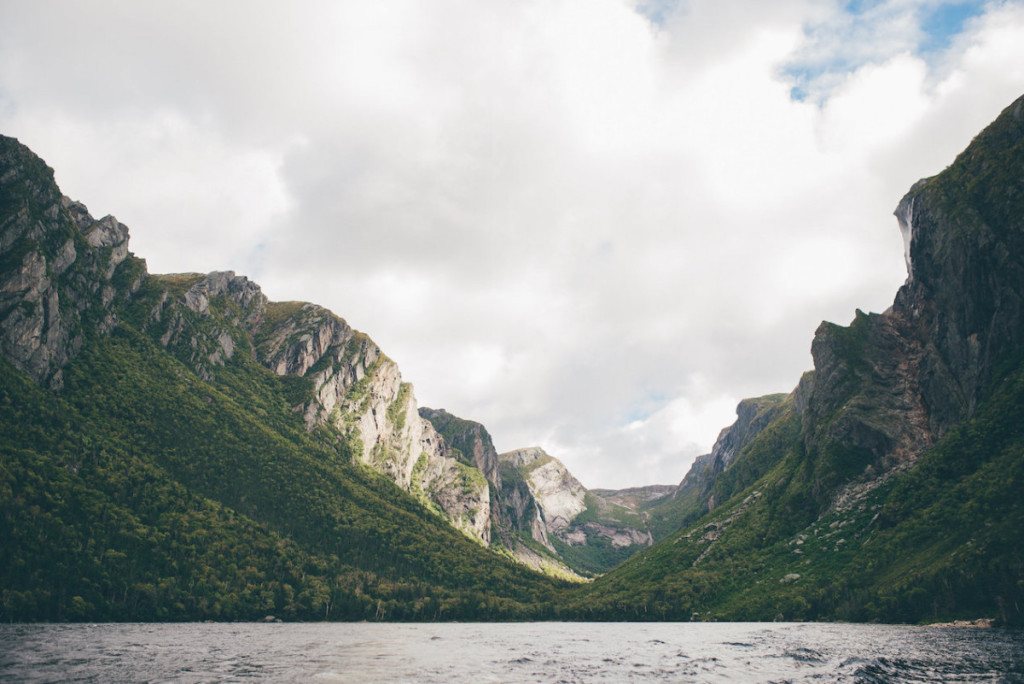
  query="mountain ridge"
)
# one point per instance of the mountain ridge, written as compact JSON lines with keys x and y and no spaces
{"x":342,"y":384}
{"x":146,"y":413}
{"x":886,"y":485}
{"x":178,"y":447}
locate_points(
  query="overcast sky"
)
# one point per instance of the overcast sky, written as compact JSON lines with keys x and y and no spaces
{"x":592,"y":225}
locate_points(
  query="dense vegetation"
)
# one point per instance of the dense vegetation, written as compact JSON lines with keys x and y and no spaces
{"x":143,"y":492}
{"x":845,"y":506}
{"x":143,"y":480}
{"x":940,"y":541}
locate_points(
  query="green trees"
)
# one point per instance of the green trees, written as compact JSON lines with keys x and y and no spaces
{"x":142,"y":492}
{"x":937,"y":542}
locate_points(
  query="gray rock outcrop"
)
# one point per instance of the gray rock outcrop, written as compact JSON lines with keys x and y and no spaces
{"x":752,"y":416}
{"x":57,"y":281}
{"x":565,"y":511}
{"x":64,"y":276}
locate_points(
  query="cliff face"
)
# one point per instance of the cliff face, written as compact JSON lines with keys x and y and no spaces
{"x":354,"y":388}
{"x":57,"y":268}
{"x":886,"y":485}
{"x":962,"y":302}
{"x":888,"y":386}
{"x":516,"y":523}
{"x":471,"y":445}
{"x":540,"y":513}
{"x":752,"y":416}
{"x":66,"y":276}
{"x":558,"y":494}
{"x":591,"y":533}
{"x":470,"y":439}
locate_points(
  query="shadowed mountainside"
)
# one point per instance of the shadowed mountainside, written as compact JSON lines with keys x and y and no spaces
{"x":886,"y":486}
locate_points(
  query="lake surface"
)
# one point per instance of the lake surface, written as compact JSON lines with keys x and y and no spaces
{"x":517,"y":652}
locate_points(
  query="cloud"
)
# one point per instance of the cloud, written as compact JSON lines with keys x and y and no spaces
{"x":842,"y":38}
{"x":589,"y":231}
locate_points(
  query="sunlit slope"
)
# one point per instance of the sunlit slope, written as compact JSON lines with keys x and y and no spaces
{"x":151,"y":468}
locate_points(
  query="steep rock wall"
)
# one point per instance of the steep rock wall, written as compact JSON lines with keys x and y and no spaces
{"x":558,"y":494}
{"x":59,"y":268}
{"x":569,"y":514}
{"x":65,"y":276}
{"x":752,"y":416}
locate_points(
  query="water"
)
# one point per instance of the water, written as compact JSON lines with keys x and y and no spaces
{"x":521,"y":652}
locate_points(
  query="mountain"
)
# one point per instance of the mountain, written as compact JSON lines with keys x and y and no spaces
{"x":887,"y":485}
{"x":516,"y":521}
{"x":589,"y":533}
{"x":702,"y":487}
{"x":179,"y":447}
{"x":353,"y":390}
{"x":540,"y":512}
{"x":635,"y":498}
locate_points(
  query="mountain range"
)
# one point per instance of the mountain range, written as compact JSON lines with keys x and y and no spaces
{"x":179,"y":447}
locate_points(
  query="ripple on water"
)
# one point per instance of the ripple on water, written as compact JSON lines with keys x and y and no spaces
{"x":549,"y":652}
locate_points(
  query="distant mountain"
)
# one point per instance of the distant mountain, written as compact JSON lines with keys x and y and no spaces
{"x":540,"y":513}
{"x":516,"y":521}
{"x":179,"y":447}
{"x":887,"y":485}
{"x":635,"y":498}
{"x":589,"y":533}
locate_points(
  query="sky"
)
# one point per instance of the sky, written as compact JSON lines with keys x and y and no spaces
{"x":591,"y":225}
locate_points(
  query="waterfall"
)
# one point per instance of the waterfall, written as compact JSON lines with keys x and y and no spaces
{"x":905,"y":217}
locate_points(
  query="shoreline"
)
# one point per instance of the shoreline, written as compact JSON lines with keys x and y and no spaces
{"x":979,"y":623}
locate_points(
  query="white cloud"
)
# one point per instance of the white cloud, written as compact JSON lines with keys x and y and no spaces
{"x":587,"y":231}
{"x":207,"y":198}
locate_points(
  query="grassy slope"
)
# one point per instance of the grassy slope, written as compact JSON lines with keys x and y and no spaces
{"x":940,"y":541}
{"x":599,"y":554}
{"x":142,"y":492}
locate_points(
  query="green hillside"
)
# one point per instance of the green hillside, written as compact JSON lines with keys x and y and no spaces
{"x":178,"y":448}
{"x":142,"y":492}
{"x":887,"y":486}
{"x":163,"y":481}
{"x":937,"y":542}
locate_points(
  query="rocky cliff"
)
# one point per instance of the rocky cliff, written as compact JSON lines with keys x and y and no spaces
{"x":752,"y":416}
{"x":886,"y":485}
{"x":540,"y":513}
{"x":58,"y":268}
{"x":353,"y":387}
{"x":558,"y":494}
{"x":66,"y":277}
{"x":962,"y":302}
{"x":590,"y":533}
{"x":515,"y":520}
{"x":887,"y":386}
{"x":470,"y":439}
